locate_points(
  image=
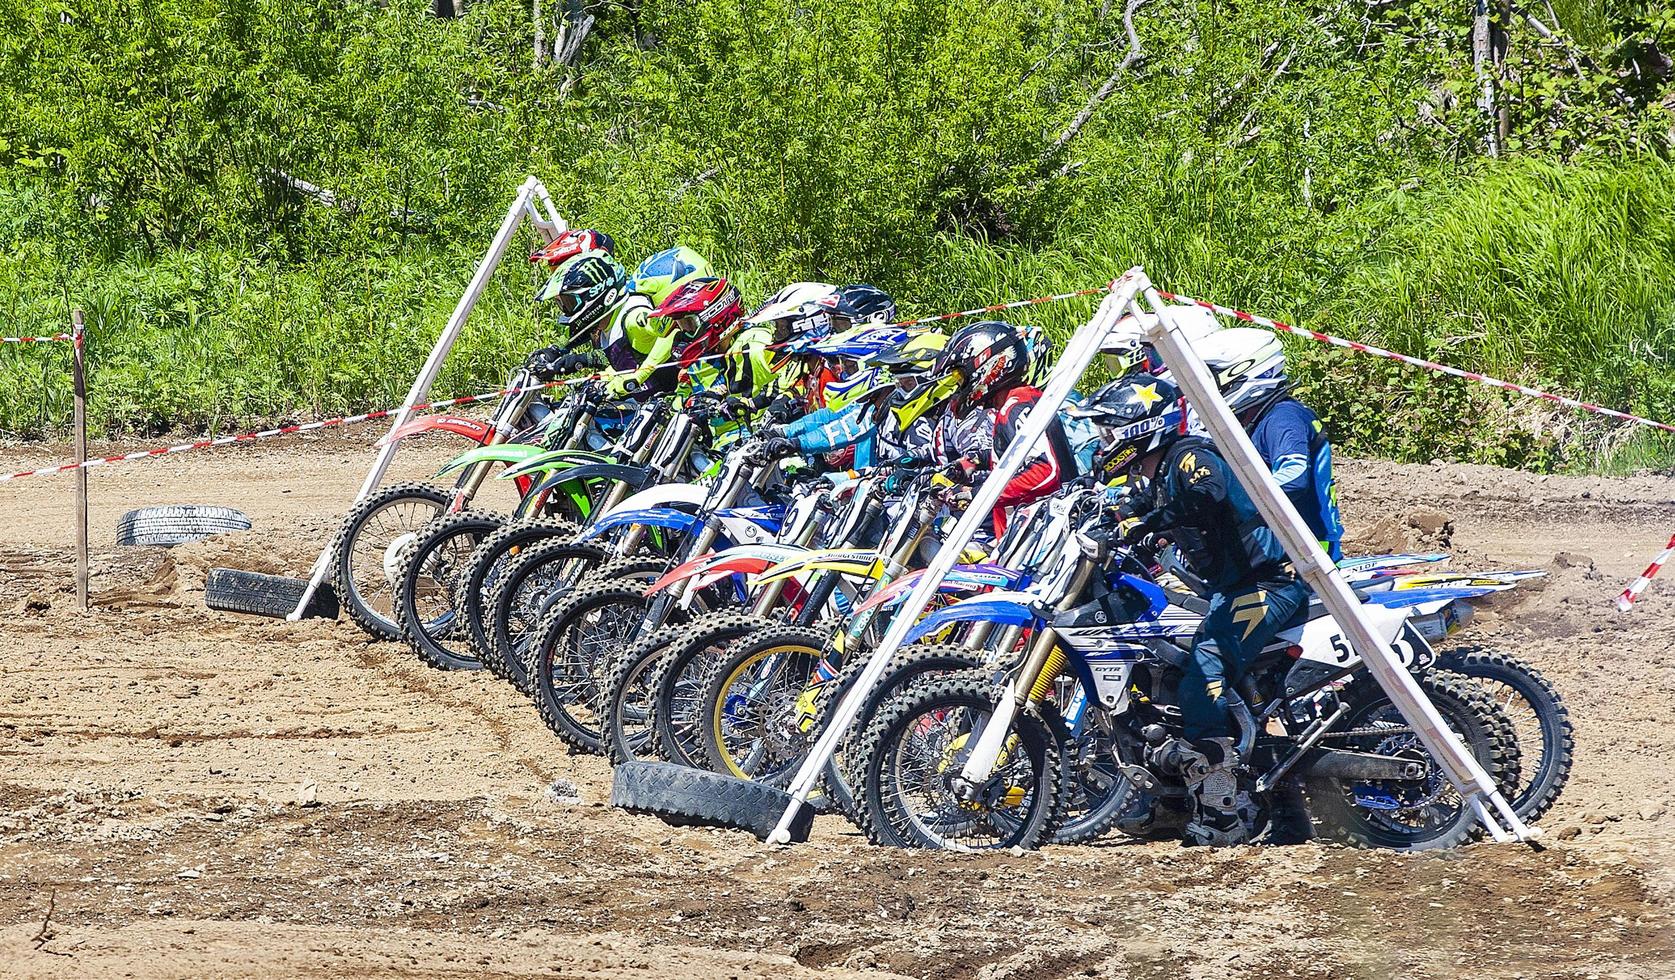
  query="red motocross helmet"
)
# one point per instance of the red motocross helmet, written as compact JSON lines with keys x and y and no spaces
{"x":982,"y":359}
{"x":570,"y":244}
{"x":698,"y":314}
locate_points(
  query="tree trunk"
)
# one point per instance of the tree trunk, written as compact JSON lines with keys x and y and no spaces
{"x":540,"y":33}
{"x":1482,"y":61}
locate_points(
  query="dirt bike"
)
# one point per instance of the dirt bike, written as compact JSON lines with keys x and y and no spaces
{"x":601,"y":617}
{"x":445,"y":571}
{"x":367,"y":548}
{"x":653,"y":671}
{"x":970,"y":760}
{"x":760,"y":703}
{"x":528,"y":584}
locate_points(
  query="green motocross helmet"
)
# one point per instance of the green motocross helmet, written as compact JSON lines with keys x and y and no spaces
{"x":666,"y":271}
{"x":587,"y":288}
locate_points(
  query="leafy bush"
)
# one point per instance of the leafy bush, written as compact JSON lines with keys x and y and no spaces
{"x":1320,"y":162}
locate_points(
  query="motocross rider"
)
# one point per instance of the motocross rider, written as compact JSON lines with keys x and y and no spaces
{"x":597,"y":296}
{"x":992,"y":367}
{"x":1191,"y":496}
{"x":1249,"y":365}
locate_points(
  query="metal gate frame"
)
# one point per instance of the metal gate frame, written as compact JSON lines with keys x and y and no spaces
{"x":533,"y":202}
{"x":1165,"y":331}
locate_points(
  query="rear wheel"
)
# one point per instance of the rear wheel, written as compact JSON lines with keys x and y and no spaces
{"x":1411,"y":815}
{"x":1540,"y":721}
{"x":917,"y":745}
{"x":373,"y":534}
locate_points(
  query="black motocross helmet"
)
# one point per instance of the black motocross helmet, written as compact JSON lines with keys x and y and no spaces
{"x":860,"y":303}
{"x":1136,"y":414}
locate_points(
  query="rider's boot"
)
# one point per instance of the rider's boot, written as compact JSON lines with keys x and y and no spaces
{"x":1212,"y":781}
{"x":1288,"y":816}
{"x":1152,"y":818}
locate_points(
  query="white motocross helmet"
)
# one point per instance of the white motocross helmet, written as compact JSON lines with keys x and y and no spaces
{"x":801,"y":310}
{"x":1125,"y":350}
{"x":1249,"y":365}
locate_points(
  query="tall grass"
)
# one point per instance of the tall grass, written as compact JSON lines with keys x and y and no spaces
{"x":1554,"y":275}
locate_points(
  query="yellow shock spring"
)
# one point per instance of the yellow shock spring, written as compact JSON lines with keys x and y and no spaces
{"x":1049,"y":672}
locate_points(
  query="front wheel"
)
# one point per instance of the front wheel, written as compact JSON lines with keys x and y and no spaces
{"x":917,"y":745}
{"x":486,"y":565}
{"x":426,"y":586}
{"x":630,"y":692}
{"x":1420,"y":814}
{"x":909,"y":665}
{"x":373,"y":534}
{"x":758,"y":703}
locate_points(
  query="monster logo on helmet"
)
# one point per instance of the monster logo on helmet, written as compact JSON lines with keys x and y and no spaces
{"x":664,"y":272}
{"x":586,"y":287}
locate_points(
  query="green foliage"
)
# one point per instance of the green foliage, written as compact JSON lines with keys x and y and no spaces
{"x":1319,"y":162}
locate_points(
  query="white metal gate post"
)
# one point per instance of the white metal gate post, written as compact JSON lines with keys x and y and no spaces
{"x":1078,"y":354}
{"x":1190,"y":374}
{"x":550,"y":226}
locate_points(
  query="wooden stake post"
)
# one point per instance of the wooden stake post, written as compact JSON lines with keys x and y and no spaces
{"x":78,"y":380}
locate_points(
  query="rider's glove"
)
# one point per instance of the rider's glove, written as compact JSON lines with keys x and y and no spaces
{"x":738,"y":405}
{"x":1130,"y":529}
{"x":618,"y":385}
{"x":782,"y":408}
{"x":779,"y":447}
{"x":546,"y":363}
{"x":580,"y":361}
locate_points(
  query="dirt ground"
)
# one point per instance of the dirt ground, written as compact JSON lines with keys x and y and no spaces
{"x":184,"y":792}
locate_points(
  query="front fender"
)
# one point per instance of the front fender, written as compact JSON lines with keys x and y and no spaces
{"x":982,"y":576}
{"x":1003,"y":608}
{"x":688,"y":495}
{"x":511,"y":453}
{"x":862,"y":562}
{"x":1487,"y":581}
{"x":1378,"y":563}
{"x":665,"y":517}
{"x":548,"y":460}
{"x":635,"y":476}
{"x":476,"y":430}
{"x":742,"y":560}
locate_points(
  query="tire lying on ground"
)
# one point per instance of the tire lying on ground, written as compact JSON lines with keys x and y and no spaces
{"x":177,"y":524}
{"x":274,"y":596}
{"x":695,"y":798}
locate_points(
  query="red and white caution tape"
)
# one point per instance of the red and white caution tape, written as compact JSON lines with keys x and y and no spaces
{"x":1326,"y":338}
{"x":272,"y":433}
{"x":37,"y":340}
{"x":1626,"y":600}
{"x":998,"y":307}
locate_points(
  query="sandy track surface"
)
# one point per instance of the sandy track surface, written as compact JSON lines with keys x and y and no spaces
{"x":195,"y":793}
